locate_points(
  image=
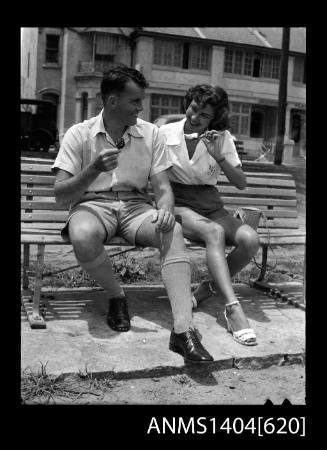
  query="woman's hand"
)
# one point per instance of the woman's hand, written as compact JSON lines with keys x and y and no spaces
{"x":214,"y":141}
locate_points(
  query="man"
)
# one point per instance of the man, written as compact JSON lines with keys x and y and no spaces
{"x":102,"y":172}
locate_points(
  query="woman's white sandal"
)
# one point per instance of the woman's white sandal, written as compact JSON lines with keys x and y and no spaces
{"x":246,"y":336}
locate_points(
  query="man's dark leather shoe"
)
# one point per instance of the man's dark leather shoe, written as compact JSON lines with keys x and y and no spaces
{"x":118,"y":317}
{"x":188,"y":345}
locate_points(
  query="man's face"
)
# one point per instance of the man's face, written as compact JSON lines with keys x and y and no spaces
{"x":128,"y":104}
{"x":198,"y":117}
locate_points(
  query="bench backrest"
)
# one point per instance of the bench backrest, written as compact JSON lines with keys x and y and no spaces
{"x":273,"y":193}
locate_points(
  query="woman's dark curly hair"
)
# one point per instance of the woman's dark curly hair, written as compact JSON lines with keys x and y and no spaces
{"x":205,"y":94}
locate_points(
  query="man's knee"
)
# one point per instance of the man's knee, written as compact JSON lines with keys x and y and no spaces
{"x":86,"y":238}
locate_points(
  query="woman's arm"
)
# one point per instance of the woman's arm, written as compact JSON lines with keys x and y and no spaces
{"x":214,"y":141}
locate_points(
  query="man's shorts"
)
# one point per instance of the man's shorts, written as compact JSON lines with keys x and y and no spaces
{"x":121,"y":215}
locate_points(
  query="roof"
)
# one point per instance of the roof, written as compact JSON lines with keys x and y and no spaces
{"x":269,"y":37}
{"x":125,"y":31}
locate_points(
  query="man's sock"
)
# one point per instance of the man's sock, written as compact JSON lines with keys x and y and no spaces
{"x":100,"y":269}
{"x":176,"y":276}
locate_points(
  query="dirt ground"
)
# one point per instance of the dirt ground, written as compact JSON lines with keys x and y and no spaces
{"x":195,"y":386}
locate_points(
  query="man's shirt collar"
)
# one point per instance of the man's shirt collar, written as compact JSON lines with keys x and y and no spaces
{"x":98,"y":127}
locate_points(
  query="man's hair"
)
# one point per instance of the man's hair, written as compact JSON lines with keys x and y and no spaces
{"x":205,"y":94}
{"x":115,"y":80}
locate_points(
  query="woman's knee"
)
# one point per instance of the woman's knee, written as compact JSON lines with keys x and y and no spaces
{"x":214,"y":234}
{"x":248,"y":239}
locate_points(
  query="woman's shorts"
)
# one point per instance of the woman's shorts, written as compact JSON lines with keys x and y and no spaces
{"x":206,"y":201}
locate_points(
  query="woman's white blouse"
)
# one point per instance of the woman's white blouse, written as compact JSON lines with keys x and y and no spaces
{"x":202,"y":168}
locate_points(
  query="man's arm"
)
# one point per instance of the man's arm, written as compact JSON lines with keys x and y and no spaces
{"x":70,"y":188}
{"x":164,"y":196}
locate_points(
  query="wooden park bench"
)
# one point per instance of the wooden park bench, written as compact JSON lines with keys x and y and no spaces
{"x":42,"y":218}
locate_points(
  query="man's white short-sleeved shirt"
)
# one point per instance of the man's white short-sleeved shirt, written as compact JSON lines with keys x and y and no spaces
{"x":144,"y":154}
{"x":202,"y":168}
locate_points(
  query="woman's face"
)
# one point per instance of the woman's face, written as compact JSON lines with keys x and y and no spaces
{"x":198,"y":117}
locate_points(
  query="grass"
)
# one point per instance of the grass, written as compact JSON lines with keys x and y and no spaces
{"x":39,"y":387}
{"x":285,"y":263}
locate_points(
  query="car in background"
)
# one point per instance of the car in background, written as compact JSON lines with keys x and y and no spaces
{"x":168,"y":118}
{"x":38,"y":130}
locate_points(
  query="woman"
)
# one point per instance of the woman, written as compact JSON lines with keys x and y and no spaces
{"x":199,"y":147}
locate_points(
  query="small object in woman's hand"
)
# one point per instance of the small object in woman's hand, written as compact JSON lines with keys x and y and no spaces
{"x":191,"y":136}
{"x":211,"y":133}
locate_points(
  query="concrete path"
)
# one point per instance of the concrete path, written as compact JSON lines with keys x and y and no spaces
{"x":77,"y":338}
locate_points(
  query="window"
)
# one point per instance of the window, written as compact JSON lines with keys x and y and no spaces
{"x":248,"y":63}
{"x":54,"y":99}
{"x":299,"y":73}
{"x":28,"y":64}
{"x":251,"y":64}
{"x":270,"y":66}
{"x":52,"y":48}
{"x":182,"y":55}
{"x":103,"y":63}
{"x":240,"y":118}
{"x":106,"y":47}
{"x":84,"y":106}
{"x":256,"y":127}
{"x":165,"y":104}
{"x":106,"y":44}
{"x":199,"y":57}
{"x":168,"y":53}
{"x":98,"y":104}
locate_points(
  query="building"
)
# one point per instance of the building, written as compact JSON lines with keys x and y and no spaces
{"x":65,"y":65}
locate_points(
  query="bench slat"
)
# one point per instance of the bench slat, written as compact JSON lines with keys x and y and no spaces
{"x":262,"y":182}
{"x":52,"y":206}
{"x":57,"y":240}
{"x":280,"y":223}
{"x":27,"y":226}
{"x":31,"y":160}
{"x":283,"y":240}
{"x":259,"y":202}
{"x":258,"y":191}
{"x":36,"y":168}
{"x":44,"y":217}
{"x":32,"y":204}
{"x":37,"y":192}
{"x":270,"y":175}
{"x":53,"y":239}
{"x":37,"y":179}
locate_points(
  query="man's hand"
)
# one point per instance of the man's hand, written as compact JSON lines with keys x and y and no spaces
{"x":164,"y":219}
{"x":214,"y":141}
{"x":106,"y":160}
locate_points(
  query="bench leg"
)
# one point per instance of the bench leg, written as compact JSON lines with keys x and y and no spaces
{"x":34,"y":317}
{"x":263,"y":263}
{"x":259,"y":283}
{"x":26,"y":263}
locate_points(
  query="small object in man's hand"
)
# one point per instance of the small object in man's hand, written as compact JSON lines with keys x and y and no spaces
{"x":120,"y":143}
